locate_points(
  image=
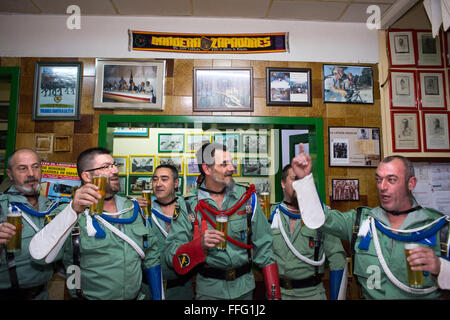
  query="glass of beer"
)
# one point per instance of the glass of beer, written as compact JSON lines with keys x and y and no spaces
{"x":222,"y":225}
{"x":100,"y":181}
{"x":147,"y":194}
{"x":415,"y":278}
{"x":265,"y":196}
{"x":14,"y":217}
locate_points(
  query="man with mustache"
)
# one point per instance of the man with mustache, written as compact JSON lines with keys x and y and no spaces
{"x":378,"y":235}
{"x":20,"y":277}
{"x":223,"y":273}
{"x":111,"y":250}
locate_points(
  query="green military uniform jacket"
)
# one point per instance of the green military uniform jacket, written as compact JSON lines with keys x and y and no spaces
{"x":291,"y":267}
{"x":374,"y":282}
{"x":29,"y":273}
{"x":181,"y":232}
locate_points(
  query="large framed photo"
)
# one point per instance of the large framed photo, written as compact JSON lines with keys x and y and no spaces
{"x":194,"y":141}
{"x":171,"y":142}
{"x":347,"y":84}
{"x":354,"y":146}
{"x":255,"y":167}
{"x":401,"y":48}
{"x":288,"y":87}
{"x":345,"y":189}
{"x":142,"y":164}
{"x":127,"y":84}
{"x":432,"y":92}
{"x":57,"y":91}
{"x":403,"y":89}
{"x":254,"y":142}
{"x":405,"y":131}
{"x":435,"y":134}
{"x":176,"y":161}
{"x":429,"y":50}
{"x":223,"y":89}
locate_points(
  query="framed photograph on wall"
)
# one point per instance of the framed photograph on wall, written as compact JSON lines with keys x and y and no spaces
{"x":179,"y":189}
{"x":194,"y":141}
{"x":288,"y":87}
{"x":171,"y":142}
{"x":432,"y":92}
{"x":429,"y":50}
{"x":401,"y":48}
{"x":255,"y":167}
{"x":345,"y":190}
{"x":176,"y":161}
{"x":142,"y":164}
{"x":403,"y":89}
{"x":123,"y":183}
{"x":254,"y":142}
{"x":347,"y":84}
{"x":223,"y":89}
{"x":435,"y":133}
{"x":121,"y":163}
{"x":129,"y":84}
{"x":229,"y":140}
{"x":405,"y":131}
{"x":57,"y":90}
{"x":139,"y":183}
{"x":354,"y":146}
{"x":192,"y":166}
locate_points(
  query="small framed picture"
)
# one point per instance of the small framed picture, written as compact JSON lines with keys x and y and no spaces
{"x":405,"y":131}
{"x":254,"y":142}
{"x":171,"y":142}
{"x":255,"y":167}
{"x":229,"y":140}
{"x":403,"y":89}
{"x":401,"y":48}
{"x":288,"y":87}
{"x":122,"y":164}
{"x":347,"y":84}
{"x":123,"y":183}
{"x":192,"y":166}
{"x":435,"y":134}
{"x":139,"y":183}
{"x":176,"y":161}
{"x":142,"y":164}
{"x":237,"y":166}
{"x":345,"y":189}
{"x":432,"y":93}
{"x":429,"y":50}
{"x":191,"y":185}
{"x":194,"y":141}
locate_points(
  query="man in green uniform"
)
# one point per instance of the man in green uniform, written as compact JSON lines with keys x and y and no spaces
{"x":166,"y":206}
{"x":301,"y":252}
{"x":379,"y":255}
{"x":192,"y":240}
{"x":111,"y":249}
{"x":24,"y":279}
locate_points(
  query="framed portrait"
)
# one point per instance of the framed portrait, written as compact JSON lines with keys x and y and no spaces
{"x":122,"y":164}
{"x":401,"y":48}
{"x":171,"y":142}
{"x":223,"y":89}
{"x":405,"y":131}
{"x":130,"y":132}
{"x":435,"y":133}
{"x":345,"y":189}
{"x":429,"y":50}
{"x":142,"y":164}
{"x":288,"y":87}
{"x":432,"y":92}
{"x":347,"y":84}
{"x":176,"y":161}
{"x":255,"y":167}
{"x":57,"y":90}
{"x":139,"y":183}
{"x":194,"y":141}
{"x":403,"y":89}
{"x":128,"y":84}
{"x":123,"y":183}
{"x":237,"y":166}
{"x":229,"y":140}
{"x":192,"y":166}
{"x":354,"y":146}
{"x":254,"y":142}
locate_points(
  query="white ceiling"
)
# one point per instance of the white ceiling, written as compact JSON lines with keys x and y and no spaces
{"x":312,"y":10}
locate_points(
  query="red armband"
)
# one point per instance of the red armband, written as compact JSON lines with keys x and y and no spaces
{"x":188,"y":256}
{"x":272,"y":281}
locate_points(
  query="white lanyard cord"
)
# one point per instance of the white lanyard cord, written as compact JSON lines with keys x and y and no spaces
{"x":164,"y":232}
{"x":31,"y":223}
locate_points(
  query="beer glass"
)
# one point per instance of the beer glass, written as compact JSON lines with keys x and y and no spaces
{"x":14,"y":217}
{"x":415,"y":278}
{"x":100,"y":181}
{"x":222,"y":225}
{"x":147,"y":194}
{"x":265,"y":196}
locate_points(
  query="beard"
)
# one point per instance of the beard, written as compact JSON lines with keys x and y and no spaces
{"x":227,"y":184}
{"x":29,"y":190}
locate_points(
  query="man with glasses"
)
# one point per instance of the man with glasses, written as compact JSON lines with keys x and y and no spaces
{"x":109,"y":251}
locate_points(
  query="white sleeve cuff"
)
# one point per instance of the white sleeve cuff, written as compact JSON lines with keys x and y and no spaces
{"x":443,"y":279}
{"x":309,"y":202}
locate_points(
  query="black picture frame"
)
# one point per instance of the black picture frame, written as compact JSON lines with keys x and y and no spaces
{"x":57,"y":90}
{"x":288,"y":87}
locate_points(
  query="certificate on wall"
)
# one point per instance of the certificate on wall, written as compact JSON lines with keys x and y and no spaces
{"x":354,"y":146}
